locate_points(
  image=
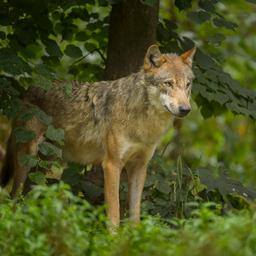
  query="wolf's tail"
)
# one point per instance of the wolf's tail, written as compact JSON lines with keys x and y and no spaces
{"x":8,"y":167}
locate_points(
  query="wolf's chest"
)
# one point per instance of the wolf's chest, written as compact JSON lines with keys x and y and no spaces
{"x":149,"y":130}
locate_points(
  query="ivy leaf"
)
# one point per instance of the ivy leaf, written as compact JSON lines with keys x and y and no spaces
{"x":49,"y":149}
{"x":23,"y":135}
{"x":45,"y":164}
{"x":55,"y":134}
{"x":38,"y":178}
{"x":28,"y":161}
{"x":35,"y":112}
{"x":68,"y":88}
{"x":73,"y":51}
{"x":72,"y":174}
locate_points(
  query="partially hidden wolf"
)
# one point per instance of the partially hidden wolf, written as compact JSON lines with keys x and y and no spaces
{"x":113,"y":123}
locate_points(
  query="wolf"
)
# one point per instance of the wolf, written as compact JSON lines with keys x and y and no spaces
{"x":117,"y":124}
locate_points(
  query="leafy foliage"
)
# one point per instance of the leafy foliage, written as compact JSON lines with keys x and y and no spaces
{"x":52,"y":221}
{"x":169,"y":189}
{"x":38,"y":42}
{"x":214,"y":90}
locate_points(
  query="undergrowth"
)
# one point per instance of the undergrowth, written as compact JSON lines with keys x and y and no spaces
{"x":52,"y":221}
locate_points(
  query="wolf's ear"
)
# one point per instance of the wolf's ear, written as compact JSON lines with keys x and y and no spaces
{"x":187,"y":56}
{"x":153,"y":57}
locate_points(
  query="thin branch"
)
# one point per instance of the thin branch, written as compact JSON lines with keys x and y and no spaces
{"x":91,"y":52}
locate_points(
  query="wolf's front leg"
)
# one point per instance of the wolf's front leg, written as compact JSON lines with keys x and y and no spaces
{"x":112,"y":171}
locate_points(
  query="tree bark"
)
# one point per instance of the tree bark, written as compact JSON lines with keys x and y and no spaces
{"x":132,"y":30}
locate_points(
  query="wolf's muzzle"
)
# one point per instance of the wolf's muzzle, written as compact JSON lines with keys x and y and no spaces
{"x":184,"y":110}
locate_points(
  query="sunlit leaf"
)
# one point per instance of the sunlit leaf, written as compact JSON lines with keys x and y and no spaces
{"x":38,"y":178}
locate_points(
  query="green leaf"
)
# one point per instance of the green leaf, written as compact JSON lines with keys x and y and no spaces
{"x":183,"y":4}
{"x":38,"y":178}
{"x":45,"y":71}
{"x":82,"y":36}
{"x":207,"y":5}
{"x":49,"y":149}
{"x":55,"y":134}
{"x":42,"y":82}
{"x":52,"y":48}
{"x":73,"y":51}
{"x":2,"y":35}
{"x":163,"y":187}
{"x":23,"y":135}
{"x":204,"y":61}
{"x":79,"y":13}
{"x":35,"y":112}
{"x":28,"y":161}
{"x":7,"y":87}
{"x":68,"y":88}
{"x":12,"y":64}
{"x":57,"y":15}
{"x":91,"y":190}
{"x":72,"y":174}
{"x":89,"y":46}
{"x":45,"y":164}
{"x":31,"y":51}
{"x":199,"y":17}
{"x":221,"y":22}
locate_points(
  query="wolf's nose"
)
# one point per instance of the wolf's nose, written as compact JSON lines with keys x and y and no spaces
{"x":184,"y":110}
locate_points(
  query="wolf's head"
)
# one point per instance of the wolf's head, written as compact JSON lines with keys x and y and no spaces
{"x":170,"y":77}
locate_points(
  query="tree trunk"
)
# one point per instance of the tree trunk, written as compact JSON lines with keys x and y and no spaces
{"x":132,"y":30}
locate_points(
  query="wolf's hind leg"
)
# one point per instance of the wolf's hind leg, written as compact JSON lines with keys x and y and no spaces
{"x":136,"y":178}
{"x":136,"y":172}
{"x":31,"y":148}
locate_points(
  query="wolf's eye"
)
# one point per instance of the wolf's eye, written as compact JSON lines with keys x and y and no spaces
{"x":169,"y":83}
{"x":188,"y":84}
